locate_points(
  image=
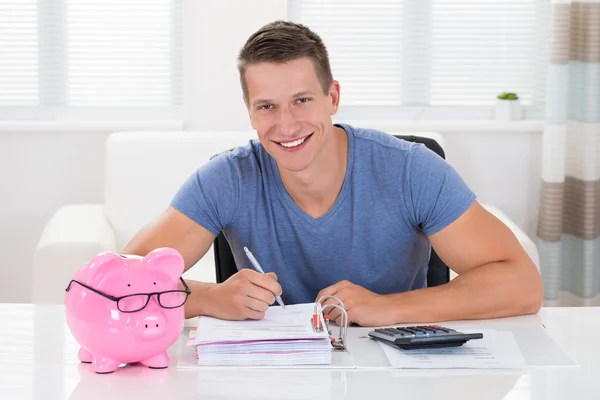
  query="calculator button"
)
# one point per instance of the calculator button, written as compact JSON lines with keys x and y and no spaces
{"x":408,"y":333}
{"x":438,"y":329}
{"x":384,"y":332}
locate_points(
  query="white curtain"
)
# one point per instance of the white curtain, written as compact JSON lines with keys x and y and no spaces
{"x":569,"y":224}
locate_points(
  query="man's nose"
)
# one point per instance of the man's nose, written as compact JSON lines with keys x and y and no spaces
{"x":286,"y":115}
{"x":286,"y":119}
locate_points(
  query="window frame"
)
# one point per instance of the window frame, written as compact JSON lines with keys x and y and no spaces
{"x":54,"y":80}
{"x":418,"y":109}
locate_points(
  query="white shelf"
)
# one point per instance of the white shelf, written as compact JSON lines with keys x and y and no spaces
{"x":86,"y":126}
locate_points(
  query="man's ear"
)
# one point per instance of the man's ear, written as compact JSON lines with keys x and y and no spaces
{"x":334,"y":95}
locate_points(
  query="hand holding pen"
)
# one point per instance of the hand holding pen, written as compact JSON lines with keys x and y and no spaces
{"x":259,"y":269}
{"x":247,"y":294}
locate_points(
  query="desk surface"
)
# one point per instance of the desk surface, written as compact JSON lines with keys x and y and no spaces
{"x":38,"y":361}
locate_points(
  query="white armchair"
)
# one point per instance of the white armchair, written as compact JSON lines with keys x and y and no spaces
{"x":74,"y":234}
{"x":143,"y":172}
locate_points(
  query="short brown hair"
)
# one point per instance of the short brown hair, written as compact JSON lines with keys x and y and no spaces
{"x":282,"y":41}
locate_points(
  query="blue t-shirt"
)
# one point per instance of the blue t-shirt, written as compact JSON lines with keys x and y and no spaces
{"x":395,"y":193}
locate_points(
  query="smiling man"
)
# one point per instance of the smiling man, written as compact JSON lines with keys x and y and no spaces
{"x":333,"y":209}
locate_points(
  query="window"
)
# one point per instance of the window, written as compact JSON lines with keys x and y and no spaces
{"x":432,"y":58}
{"x":92,"y":59}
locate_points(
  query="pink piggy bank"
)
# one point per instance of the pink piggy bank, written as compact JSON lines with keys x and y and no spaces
{"x":125,"y":309}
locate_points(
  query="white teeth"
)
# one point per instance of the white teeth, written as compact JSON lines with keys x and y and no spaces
{"x":294,"y":143}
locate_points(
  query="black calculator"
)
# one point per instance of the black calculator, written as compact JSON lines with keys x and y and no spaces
{"x":423,"y":337}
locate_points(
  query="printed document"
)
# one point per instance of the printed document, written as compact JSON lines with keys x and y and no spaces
{"x":293,"y":322}
{"x":497,"y":349}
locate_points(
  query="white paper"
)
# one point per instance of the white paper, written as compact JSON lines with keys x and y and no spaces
{"x":283,"y":337}
{"x":293,"y":322}
{"x":497,"y":349}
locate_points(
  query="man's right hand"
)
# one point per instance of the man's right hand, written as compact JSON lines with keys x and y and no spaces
{"x":245,"y":295}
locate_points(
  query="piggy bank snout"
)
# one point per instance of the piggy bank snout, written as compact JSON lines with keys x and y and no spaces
{"x":150,"y":326}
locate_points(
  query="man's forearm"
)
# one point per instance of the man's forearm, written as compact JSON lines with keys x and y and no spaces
{"x":494,"y":290}
{"x":198,"y":303}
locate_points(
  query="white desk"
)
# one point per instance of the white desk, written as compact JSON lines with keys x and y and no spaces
{"x":38,"y":361}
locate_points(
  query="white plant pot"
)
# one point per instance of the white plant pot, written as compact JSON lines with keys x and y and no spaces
{"x":508,"y":110}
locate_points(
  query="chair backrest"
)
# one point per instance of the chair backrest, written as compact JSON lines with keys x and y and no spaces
{"x":437,"y":273}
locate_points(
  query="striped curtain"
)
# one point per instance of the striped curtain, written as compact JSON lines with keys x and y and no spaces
{"x":569,"y":220}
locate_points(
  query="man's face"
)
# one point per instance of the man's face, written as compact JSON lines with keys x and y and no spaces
{"x":289,"y":110}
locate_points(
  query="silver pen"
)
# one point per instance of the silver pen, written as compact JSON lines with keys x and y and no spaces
{"x":259,"y":269}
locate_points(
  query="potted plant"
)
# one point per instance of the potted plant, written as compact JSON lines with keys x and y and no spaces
{"x":508,"y":107}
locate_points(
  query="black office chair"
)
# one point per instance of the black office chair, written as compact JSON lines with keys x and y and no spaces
{"x":437,"y":273}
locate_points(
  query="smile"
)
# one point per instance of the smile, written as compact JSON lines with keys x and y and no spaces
{"x":294,"y":144}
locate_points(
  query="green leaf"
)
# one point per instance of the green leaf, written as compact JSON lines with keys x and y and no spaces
{"x":508,"y":96}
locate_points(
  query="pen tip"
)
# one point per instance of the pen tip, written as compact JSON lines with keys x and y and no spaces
{"x":246,"y":249}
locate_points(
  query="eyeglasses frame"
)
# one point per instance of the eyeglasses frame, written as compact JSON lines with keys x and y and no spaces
{"x":187,"y":292}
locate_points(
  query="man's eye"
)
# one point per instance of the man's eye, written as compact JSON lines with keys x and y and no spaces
{"x":265,"y":107}
{"x":303,"y":100}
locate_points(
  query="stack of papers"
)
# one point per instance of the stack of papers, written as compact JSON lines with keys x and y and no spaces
{"x":284,"y":337}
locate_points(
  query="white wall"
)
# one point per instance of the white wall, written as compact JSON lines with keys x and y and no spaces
{"x":39,"y":172}
{"x":214,"y":33}
{"x":503,"y":169}
{"x":42,"y":171}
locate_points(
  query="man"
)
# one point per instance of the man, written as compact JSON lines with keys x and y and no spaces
{"x":336,"y":210}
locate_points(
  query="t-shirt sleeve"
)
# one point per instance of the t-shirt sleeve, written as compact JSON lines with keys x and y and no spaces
{"x":435,"y":194}
{"x":210,"y":195}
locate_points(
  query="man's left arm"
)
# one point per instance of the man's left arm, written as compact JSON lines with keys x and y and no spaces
{"x":496,"y":278}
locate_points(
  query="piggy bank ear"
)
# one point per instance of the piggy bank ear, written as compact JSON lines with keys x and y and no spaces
{"x":167,"y":260}
{"x":101,"y":265}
